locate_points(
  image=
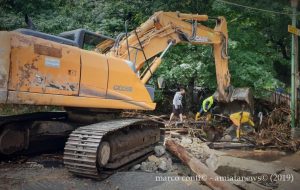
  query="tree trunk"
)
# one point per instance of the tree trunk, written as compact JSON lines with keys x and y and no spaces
{"x":209,"y":177}
{"x":190,"y":105}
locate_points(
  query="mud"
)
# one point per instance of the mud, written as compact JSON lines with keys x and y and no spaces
{"x":46,"y":172}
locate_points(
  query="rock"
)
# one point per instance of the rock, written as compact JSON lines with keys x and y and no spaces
{"x":169,"y":164}
{"x":34,"y":165}
{"x":186,"y":141}
{"x":136,"y":167}
{"x":159,"y":150}
{"x":167,"y":155}
{"x":162,"y":166}
{"x":144,"y":166}
{"x":154,"y":163}
{"x":165,"y":163}
{"x":212,"y":162}
{"x":230,"y":131}
{"x":226,"y":138}
{"x":196,"y":141}
{"x":153,"y":158}
{"x":148,"y":166}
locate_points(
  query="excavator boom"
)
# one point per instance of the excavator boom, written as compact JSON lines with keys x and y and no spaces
{"x":164,"y":29}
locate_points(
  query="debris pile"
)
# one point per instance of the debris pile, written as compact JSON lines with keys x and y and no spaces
{"x":161,"y":161}
{"x":276,"y":130}
{"x":271,"y":130}
{"x":140,"y":114}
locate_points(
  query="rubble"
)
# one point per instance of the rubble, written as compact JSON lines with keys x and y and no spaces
{"x":153,"y":158}
{"x":275,"y":130}
{"x":154,"y":164}
{"x":136,"y":167}
{"x":186,"y":141}
{"x":34,"y":165}
{"x":149,"y":166}
{"x":212,"y":162}
{"x":198,"y":167}
{"x":163,"y":166}
{"x":159,"y":150}
{"x":161,"y":161}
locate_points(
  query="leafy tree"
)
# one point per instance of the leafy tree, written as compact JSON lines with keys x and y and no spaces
{"x":259,"y":45}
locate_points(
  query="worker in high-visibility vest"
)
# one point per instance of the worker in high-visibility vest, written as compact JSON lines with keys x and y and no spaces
{"x":206,"y":106}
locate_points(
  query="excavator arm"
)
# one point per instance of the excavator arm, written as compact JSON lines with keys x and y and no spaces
{"x":164,"y":29}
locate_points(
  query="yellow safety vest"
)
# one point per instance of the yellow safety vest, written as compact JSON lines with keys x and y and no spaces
{"x":210,"y":101}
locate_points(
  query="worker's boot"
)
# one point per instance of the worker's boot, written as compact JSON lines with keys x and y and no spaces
{"x":197,"y":117}
{"x":238,"y":133}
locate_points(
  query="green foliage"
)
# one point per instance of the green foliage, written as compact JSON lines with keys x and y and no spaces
{"x":186,"y":62}
{"x":259,"y":43}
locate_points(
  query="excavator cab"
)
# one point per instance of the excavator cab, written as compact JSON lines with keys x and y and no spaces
{"x":88,"y":40}
{"x":81,"y":38}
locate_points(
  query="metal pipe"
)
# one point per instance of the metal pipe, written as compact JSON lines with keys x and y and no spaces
{"x":167,"y":48}
{"x":126,"y":34}
{"x":155,"y":64}
{"x":293,"y":76}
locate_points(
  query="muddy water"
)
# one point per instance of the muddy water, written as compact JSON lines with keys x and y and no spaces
{"x":236,"y":174}
{"x":259,"y":155}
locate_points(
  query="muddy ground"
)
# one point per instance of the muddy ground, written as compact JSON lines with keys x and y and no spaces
{"x":47,"y":171}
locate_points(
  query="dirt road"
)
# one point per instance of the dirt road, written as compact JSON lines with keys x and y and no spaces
{"x":47,"y":172}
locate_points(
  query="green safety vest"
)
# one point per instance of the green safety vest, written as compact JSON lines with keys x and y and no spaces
{"x":210,"y":101}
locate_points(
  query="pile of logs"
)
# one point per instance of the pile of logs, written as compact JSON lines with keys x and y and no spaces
{"x":276,"y":130}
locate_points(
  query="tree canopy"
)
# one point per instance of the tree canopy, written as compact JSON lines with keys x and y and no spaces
{"x":259,"y":44}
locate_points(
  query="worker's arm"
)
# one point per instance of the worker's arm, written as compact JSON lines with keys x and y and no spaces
{"x":206,"y":106}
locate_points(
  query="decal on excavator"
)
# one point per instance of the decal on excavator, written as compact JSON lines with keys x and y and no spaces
{"x":122,"y":88}
{"x":200,"y":39}
{"x":52,"y":62}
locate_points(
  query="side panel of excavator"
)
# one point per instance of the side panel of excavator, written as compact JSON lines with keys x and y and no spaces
{"x":94,"y":75}
{"x":40,"y":66}
{"x":5,"y":48}
{"x":43,"y":72}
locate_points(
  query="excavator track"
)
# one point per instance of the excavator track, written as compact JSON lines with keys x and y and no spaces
{"x":98,"y":150}
{"x":24,"y":133}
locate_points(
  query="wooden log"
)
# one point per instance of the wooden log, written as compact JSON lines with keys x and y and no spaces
{"x":193,"y":123}
{"x":175,"y":129}
{"x":198,"y":167}
{"x":224,"y":145}
{"x":256,"y":154}
{"x":175,"y":134}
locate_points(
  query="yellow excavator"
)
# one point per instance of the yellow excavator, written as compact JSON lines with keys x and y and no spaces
{"x":94,"y":78}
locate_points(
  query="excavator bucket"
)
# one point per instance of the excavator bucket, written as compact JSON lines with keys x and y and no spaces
{"x":240,"y":99}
